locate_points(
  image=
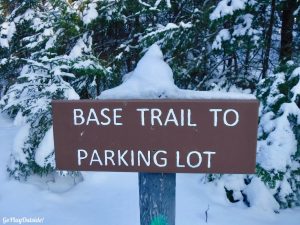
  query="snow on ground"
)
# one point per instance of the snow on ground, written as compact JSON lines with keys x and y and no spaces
{"x":112,"y":198}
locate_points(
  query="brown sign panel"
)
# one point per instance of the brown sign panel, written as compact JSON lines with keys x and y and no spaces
{"x":171,"y":136}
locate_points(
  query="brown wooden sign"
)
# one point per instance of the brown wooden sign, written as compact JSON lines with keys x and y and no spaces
{"x":172,"y":136}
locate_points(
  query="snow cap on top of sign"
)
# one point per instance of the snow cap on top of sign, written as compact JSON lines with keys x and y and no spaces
{"x":153,"y":79}
{"x":150,"y":79}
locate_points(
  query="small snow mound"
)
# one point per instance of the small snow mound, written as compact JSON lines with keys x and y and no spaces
{"x":260,"y":197}
{"x":151,"y":78}
{"x":153,"y":70}
{"x":154,"y":51}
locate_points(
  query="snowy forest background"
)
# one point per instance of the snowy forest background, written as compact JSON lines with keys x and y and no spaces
{"x":64,"y":49}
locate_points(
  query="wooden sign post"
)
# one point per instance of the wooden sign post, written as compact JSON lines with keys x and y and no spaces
{"x":157,"y":198}
{"x":157,"y":138}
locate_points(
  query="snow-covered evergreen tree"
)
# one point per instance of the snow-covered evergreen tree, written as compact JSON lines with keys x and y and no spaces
{"x":38,"y":83}
{"x":73,"y":43}
{"x":55,"y":69}
{"x":279,"y":134}
{"x":17,"y":21}
{"x":247,"y":34}
{"x":238,"y":42}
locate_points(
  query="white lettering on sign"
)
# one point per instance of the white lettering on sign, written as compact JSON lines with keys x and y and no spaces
{"x":117,"y":116}
{"x":152,"y":116}
{"x":95,"y":158}
{"x":215,"y":111}
{"x":171,"y":118}
{"x":81,"y":154}
{"x":103,"y":114}
{"x":198,"y":158}
{"x":121,"y":158}
{"x":103,"y":117}
{"x":142,"y":115}
{"x":130,"y":158}
{"x":156,"y":117}
{"x":236,"y":117}
{"x":109,"y":155}
{"x":209,"y":153}
{"x":225,"y":117}
{"x":189,"y":118}
{"x":92,"y":117}
{"x":141,"y":155}
{"x":178,"y":160}
{"x":163,"y":159}
{"x":78,"y":117}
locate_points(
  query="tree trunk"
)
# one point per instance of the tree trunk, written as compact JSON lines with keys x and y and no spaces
{"x":247,"y":60}
{"x":235,"y":63}
{"x":98,"y":83}
{"x":268,"y":40}
{"x":286,"y":48}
